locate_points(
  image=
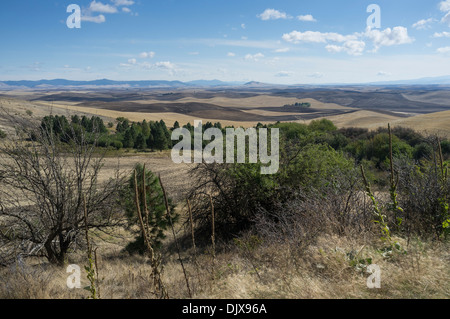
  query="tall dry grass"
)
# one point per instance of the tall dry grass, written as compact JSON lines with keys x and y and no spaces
{"x":249,"y":268}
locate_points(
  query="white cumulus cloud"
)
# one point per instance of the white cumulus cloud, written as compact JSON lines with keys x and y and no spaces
{"x":272,"y":14}
{"x":444,"y":6}
{"x":352,"y":47}
{"x":388,"y":37}
{"x":349,"y":43}
{"x":101,"y":7}
{"x":353,"y":44}
{"x":306,"y":18}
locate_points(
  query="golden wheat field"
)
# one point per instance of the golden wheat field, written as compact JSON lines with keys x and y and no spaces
{"x":436,"y":122}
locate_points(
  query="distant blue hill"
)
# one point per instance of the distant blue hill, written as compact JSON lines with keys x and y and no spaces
{"x":438,"y":80}
{"x":62,"y":83}
{"x":213,"y":83}
{"x":102,"y":82}
{"x":106,"y":82}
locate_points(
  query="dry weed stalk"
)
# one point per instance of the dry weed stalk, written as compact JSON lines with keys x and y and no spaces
{"x":175,"y":236}
{"x":213,"y":230}
{"x":394,"y":183}
{"x":377,"y":211}
{"x":92,"y":273}
{"x":155,"y":262}
{"x":213,"y":237}
{"x":191,"y":222}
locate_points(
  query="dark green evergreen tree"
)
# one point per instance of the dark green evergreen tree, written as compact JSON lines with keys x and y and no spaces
{"x":160,"y":139}
{"x":158,"y":220}
{"x":128,"y":140}
{"x":140,"y":142}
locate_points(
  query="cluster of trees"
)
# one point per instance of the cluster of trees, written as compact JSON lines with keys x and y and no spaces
{"x":75,"y":129}
{"x":2,"y":134}
{"x":364,"y":145}
{"x":361,"y":144}
{"x":143,"y":135}
{"x":153,"y":135}
{"x":299,"y":105}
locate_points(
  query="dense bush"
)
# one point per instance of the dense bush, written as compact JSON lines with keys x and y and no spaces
{"x":319,"y":178}
{"x":240,"y":190}
{"x":424,"y":196}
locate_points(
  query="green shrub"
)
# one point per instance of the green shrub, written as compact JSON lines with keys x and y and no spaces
{"x":314,"y":166}
{"x":240,"y":191}
{"x":445,"y":146}
{"x":290,"y":131}
{"x":423,"y":150}
{"x":322,"y":125}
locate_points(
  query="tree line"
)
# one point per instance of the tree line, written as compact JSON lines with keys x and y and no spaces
{"x":145,"y":135}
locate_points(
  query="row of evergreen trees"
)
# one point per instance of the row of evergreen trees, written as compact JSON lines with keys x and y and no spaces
{"x":153,"y":135}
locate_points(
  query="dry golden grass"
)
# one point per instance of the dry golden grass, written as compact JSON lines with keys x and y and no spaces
{"x":174,"y":176}
{"x":436,"y":123}
{"x":253,"y":102}
{"x":362,"y":119}
{"x":322,"y":271}
{"x":433,"y":123}
{"x":428,"y":123}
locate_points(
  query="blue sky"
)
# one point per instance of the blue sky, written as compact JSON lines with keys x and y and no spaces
{"x":290,"y":42}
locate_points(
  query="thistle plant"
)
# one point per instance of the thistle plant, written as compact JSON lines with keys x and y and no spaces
{"x":91,"y":268}
{"x":380,"y":218}
{"x":393,"y":184}
{"x":169,"y":217}
{"x":148,"y":240}
{"x":444,"y":201}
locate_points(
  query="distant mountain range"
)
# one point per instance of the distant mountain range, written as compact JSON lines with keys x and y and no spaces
{"x":105,"y":83}
{"x":58,"y":83}
{"x":439,"y":80}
